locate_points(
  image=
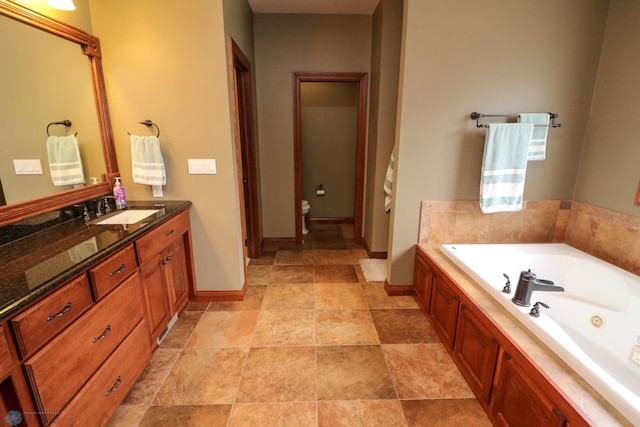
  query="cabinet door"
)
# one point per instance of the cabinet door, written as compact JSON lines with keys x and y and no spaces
{"x":175,"y":266}
{"x":476,"y":353}
{"x":155,"y":295}
{"x":518,"y":401}
{"x":444,"y":310}
{"x":422,"y":278}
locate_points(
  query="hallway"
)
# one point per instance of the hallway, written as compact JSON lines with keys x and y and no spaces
{"x":312,"y":344}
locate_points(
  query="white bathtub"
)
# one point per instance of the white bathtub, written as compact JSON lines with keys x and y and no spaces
{"x":593,"y":325}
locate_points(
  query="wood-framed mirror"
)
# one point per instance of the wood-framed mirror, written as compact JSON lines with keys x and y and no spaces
{"x":637,"y":201}
{"x":89,"y":47}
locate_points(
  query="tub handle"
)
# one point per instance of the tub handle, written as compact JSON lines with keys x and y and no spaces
{"x":507,"y":286}
{"x":535,"y":311}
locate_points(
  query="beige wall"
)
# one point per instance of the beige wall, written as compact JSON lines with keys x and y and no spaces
{"x":329,"y":136}
{"x":385,"y":69}
{"x":610,"y":165}
{"x":489,"y":56}
{"x":285,"y":44}
{"x":168,"y":64}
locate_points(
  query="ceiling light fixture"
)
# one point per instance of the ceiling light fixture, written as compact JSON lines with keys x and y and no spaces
{"x":61,"y":4}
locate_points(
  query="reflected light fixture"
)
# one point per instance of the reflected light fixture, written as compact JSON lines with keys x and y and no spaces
{"x":61,"y":4}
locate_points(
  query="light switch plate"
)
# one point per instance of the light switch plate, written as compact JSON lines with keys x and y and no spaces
{"x":202,"y":166}
{"x":27,"y":166}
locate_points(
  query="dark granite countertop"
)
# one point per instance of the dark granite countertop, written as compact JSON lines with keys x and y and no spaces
{"x":36,"y":264}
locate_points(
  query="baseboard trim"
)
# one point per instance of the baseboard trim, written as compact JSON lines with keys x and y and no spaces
{"x":398,"y":290}
{"x":331,"y":220}
{"x":278,"y":241}
{"x":220,"y":296}
{"x":376,"y":255}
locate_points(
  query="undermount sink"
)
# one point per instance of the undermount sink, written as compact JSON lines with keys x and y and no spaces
{"x":129,"y":216}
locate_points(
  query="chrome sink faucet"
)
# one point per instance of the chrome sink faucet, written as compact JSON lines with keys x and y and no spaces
{"x":103,"y":201}
{"x":528,"y":283}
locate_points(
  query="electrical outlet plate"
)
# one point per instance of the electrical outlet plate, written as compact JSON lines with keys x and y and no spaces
{"x":27,"y":166}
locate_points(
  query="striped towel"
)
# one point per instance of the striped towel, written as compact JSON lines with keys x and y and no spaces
{"x":388,"y":184}
{"x":146,"y":161}
{"x":538,"y":143}
{"x":504,"y":167}
{"x":64,"y":160}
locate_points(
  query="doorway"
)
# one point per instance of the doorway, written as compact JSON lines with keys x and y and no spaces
{"x":246,"y":152}
{"x":360,"y":80}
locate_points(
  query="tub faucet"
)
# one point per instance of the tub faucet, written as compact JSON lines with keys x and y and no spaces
{"x":527,"y":284}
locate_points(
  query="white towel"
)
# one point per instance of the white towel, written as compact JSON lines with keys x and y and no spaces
{"x":504,"y":167}
{"x":65,"y":164}
{"x":146,"y":161}
{"x":388,"y":184}
{"x":538,"y":142}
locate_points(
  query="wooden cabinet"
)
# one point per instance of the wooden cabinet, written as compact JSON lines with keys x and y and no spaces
{"x":422,"y":279}
{"x":444,"y":310}
{"x":165,"y":272}
{"x":476,"y":353}
{"x":518,"y":401}
{"x":111,"y":272}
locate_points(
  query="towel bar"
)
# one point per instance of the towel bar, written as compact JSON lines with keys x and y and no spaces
{"x":477,"y":116}
{"x":67,"y":123}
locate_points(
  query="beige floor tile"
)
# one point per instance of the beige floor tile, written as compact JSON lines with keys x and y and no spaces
{"x":285,"y":328}
{"x":334,"y":274}
{"x":339,"y":295}
{"x":337,"y":256}
{"x":407,"y":326}
{"x":203,"y":376}
{"x":192,"y":416}
{"x":179,"y":334}
{"x":296,"y":414}
{"x":128,"y":416}
{"x":266,"y":258}
{"x":413,"y":366}
{"x":291,"y":274}
{"x":294,"y":257}
{"x":445,"y":413}
{"x":353,"y":373}
{"x":336,"y":327}
{"x":252,"y":301}
{"x":197,"y":306}
{"x":258,"y":274}
{"x":279,"y":297}
{"x":361,"y":413}
{"x":224,"y":329}
{"x":377,"y":297}
{"x":153,"y":376}
{"x":279,"y":374}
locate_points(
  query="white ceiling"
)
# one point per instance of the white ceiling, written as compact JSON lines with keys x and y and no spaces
{"x":351,"y":7}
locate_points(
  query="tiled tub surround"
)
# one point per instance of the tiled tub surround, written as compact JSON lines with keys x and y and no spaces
{"x":36,"y":264}
{"x":605,"y":234}
{"x":586,"y":399}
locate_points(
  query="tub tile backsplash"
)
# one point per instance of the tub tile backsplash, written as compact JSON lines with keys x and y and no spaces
{"x":608,"y":235}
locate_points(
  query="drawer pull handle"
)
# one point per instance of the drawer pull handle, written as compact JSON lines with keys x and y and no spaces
{"x":104,"y":334}
{"x":166,"y":260}
{"x":64,"y":311}
{"x":115,"y":386}
{"x":169,"y":233}
{"x":118,"y":271}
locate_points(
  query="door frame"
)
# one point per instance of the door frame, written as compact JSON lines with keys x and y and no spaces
{"x":244,"y":135}
{"x":361,"y":79}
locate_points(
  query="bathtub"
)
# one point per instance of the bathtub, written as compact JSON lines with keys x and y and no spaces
{"x":594,"y":325}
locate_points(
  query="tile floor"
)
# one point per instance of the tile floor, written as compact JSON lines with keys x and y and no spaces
{"x":312,"y":344}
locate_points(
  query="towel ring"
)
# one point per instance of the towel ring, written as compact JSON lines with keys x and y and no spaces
{"x":149,"y":123}
{"x":66,"y":123}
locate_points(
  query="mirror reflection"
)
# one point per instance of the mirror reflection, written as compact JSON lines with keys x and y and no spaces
{"x":44,"y":79}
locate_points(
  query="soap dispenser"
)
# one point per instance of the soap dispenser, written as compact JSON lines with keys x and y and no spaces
{"x":119,"y":194}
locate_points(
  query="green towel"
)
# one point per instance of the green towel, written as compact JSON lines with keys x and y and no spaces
{"x":147,"y":161}
{"x":538,"y":142}
{"x":65,"y":164}
{"x":504,"y":167}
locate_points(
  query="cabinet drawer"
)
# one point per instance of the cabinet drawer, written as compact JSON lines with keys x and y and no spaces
{"x":110,"y":273}
{"x":36,"y":326}
{"x":6,"y":361}
{"x":101,"y":396}
{"x":157,"y":239}
{"x":62,"y":367}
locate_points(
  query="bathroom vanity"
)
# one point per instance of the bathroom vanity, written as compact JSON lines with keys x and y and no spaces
{"x":82,"y":306}
{"x":515,"y":377}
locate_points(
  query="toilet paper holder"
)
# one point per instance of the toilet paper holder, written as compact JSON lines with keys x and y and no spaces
{"x":320,"y":190}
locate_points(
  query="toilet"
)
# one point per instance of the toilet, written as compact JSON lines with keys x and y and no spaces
{"x":305,"y":210}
